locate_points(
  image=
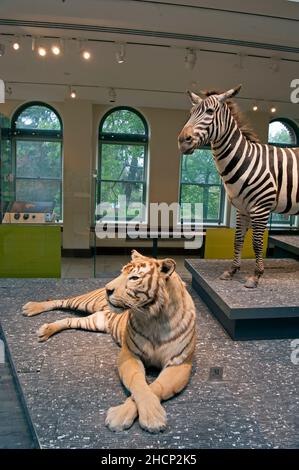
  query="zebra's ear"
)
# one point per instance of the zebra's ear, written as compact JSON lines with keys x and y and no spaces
{"x":229,"y":94}
{"x":195,"y":99}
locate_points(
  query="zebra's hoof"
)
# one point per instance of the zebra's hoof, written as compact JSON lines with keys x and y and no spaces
{"x":226,"y":276}
{"x":251,"y":283}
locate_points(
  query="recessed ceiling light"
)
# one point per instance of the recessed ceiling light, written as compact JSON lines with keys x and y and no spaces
{"x":273,"y":109}
{"x":255,"y":108}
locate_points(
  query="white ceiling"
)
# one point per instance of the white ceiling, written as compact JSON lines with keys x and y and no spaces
{"x":157,"y":34}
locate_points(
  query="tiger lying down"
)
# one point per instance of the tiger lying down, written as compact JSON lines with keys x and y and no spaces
{"x":149,"y":312}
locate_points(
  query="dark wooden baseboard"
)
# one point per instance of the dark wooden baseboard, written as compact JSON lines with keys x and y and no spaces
{"x":119,"y":250}
{"x":76,"y":252}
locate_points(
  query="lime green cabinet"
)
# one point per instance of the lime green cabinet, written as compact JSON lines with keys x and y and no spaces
{"x":30,"y":251}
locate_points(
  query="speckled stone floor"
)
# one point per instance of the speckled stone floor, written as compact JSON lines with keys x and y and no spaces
{"x":70,"y":381}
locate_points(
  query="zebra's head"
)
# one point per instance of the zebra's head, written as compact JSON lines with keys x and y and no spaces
{"x":207,"y":121}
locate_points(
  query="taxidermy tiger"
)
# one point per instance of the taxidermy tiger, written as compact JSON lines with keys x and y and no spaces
{"x":149,"y":312}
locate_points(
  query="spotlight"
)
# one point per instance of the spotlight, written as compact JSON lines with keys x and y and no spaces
{"x":274,"y":64}
{"x":2,"y":50}
{"x":273,"y":109}
{"x":56,"y":49}
{"x":239,"y":64}
{"x":190,"y":59}
{"x":73,"y":93}
{"x":42,"y":51}
{"x":8,"y":90}
{"x":86,"y":54}
{"x":120,"y":53}
{"x":16,"y":44}
{"x":112,"y":95}
{"x":84,"y":50}
{"x":255,"y":108}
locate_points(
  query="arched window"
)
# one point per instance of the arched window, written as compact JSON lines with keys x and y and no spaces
{"x":201,"y":183}
{"x":122,"y":176}
{"x":6,"y":171}
{"x":37,"y":145}
{"x":283,"y":132}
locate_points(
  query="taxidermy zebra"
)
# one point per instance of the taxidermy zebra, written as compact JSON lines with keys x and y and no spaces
{"x":258,"y":178}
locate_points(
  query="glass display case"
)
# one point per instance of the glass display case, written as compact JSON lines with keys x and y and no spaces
{"x":7,"y":192}
{"x":30,"y":244}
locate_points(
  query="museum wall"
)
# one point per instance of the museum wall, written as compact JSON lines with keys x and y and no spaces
{"x":80,"y":127}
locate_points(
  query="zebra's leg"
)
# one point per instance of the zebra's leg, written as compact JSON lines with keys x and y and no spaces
{"x":90,"y":303}
{"x":242,"y":224}
{"x":98,"y":321}
{"x":258,"y":226}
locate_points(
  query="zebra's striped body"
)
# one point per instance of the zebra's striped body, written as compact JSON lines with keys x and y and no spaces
{"x":258,"y":178}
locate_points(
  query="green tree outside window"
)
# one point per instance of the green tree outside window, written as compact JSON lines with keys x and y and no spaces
{"x":37,"y":144}
{"x":201,"y":183}
{"x":123,"y":142}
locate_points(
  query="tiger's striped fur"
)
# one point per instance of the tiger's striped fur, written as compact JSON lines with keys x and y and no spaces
{"x":258,"y":178}
{"x":149,"y":312}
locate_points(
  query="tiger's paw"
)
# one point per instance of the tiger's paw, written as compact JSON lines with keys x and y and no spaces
{"x":32,"y":308}
{"x":121,"y":417}
{"x":152,"y":416}
{"x":44,"y":332}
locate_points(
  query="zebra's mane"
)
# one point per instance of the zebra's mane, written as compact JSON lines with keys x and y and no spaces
{"x":243,"y":125}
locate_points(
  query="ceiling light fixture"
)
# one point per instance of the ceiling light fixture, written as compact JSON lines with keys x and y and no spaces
{"x":56,"y":49}
{"x":120,"y":53}
{"x":274,"y":64}
{"x":273,"y":109}
{"x":86,"y":55}
{"x":255,"y":108}
{"x":84,"y":50}
{"x":16,"y":44}
{"x":2,"y":50}
{"x":73,"y":93}
{"x":190,"y":59}
{"x":240,"y":61}
{"x":8,"y":90}
{"x":112,"y":95}
{"x":42,"y":51}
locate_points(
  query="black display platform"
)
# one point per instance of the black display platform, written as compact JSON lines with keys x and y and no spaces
{"x":285,"y":246}
{"x":271,"y":311}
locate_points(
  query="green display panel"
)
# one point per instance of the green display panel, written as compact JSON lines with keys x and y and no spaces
{"x":30,"y":251}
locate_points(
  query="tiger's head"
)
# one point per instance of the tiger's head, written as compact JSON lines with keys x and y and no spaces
{"x":141,"y":285}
